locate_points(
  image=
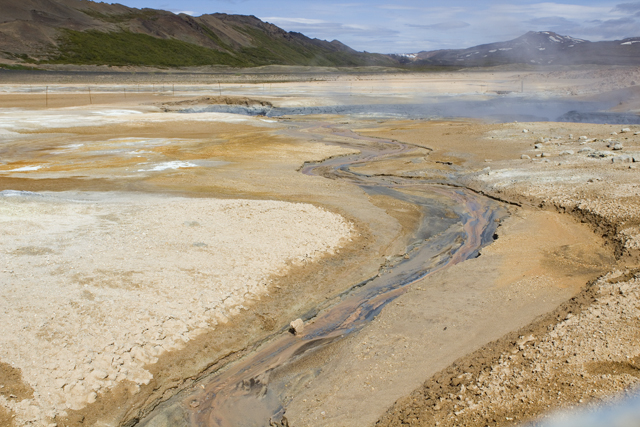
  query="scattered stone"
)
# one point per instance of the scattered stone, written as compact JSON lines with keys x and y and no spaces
{"x":570,"y":136}
{"x":586,"y":150}
{"x":537,"y":146}
{"x":99,"y":374}
{"x":625,"y":158}
{"x":525,"y":157}
{"x":625,"y":130}
{"x":567,"y":153}
{"x":614,"y":133}
{"x":525,"y":130}
{"x":546,"y":155}
{"x":600,"y":154}
{"x":617,"y":147}
{"x":486,"y":170}
{"x":296,"y":327}
{"x":583,"y":138}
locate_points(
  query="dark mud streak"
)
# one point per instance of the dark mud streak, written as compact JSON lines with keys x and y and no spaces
{"x":250,"y":392}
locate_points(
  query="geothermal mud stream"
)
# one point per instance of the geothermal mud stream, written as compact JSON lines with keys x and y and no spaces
{"x":254,"y":390}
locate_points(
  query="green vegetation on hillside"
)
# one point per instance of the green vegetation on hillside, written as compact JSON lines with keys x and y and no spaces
{"x":127,"y":48}
{"x":17,"y":67}
{"x":150,"y":14}
{"x":273,"y":51}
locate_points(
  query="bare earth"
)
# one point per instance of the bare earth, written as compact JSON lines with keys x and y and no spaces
{"x":154,"y":246}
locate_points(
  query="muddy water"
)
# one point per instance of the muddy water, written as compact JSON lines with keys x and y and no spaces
{"x":253,"y":391}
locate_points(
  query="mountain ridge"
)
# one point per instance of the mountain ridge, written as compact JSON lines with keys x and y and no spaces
{"x":86,"y":32}
{"x":535,"y":48}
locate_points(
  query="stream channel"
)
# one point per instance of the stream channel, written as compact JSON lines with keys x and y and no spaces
{"x":255,"y":390}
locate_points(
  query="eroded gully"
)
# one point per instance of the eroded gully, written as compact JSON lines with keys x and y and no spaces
{"x":255,"y":390}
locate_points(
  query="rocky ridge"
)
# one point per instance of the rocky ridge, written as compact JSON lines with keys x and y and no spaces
{"x":534,"y":48}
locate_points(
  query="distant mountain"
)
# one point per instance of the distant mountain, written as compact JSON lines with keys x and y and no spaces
{"x":537,"y":48}
{"x":86,"y":32}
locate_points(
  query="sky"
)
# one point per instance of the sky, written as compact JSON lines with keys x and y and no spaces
{"x":409,"y":26}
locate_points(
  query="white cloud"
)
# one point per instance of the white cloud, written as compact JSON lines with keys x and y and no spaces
{"x":304,"y":21}
{"x":442,"y":26}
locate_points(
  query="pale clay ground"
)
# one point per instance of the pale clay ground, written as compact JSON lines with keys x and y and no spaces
{"x":96,"y":287}
{"x":89,"y":364}
{"x":585,"y":358}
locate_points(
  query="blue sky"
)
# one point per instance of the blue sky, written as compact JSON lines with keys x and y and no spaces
{"x":408,"y":26}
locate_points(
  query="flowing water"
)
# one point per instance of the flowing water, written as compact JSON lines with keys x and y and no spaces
{"x":253,"y":390}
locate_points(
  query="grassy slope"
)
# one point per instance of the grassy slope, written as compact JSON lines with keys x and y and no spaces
{"x":127,"y":48}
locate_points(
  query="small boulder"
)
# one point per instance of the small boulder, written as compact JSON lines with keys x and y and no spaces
{"x":625,"y":158}
{"x":567,"y":153}
{"x":296,"y":327}
{"x":625,"y":130}
{"x":537,"y":146}
{"x":586,"y":150}
{"x":583,"y":138}
{"x":525,"y":130}
{"x":600,"y":154}
{"x":617,"y":146}
{"x":525,"y":157}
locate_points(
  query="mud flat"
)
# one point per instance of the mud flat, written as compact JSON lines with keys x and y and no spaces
{"x":164,"y":208}
{"x":583,"y":353}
